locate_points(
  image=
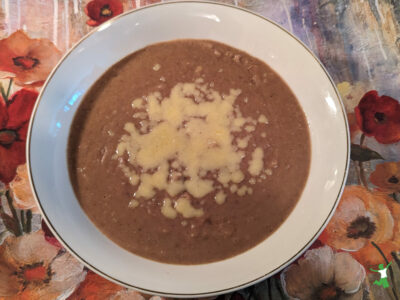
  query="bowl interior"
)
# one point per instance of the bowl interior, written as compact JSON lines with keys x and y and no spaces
{"x":112,"y":41}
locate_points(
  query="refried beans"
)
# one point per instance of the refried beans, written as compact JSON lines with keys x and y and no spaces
{"x":188,"y":152}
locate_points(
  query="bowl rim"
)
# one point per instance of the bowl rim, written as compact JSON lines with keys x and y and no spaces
{"x":210,"y":293}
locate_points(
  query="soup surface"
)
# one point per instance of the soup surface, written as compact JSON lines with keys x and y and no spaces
{"x":188,"y":152}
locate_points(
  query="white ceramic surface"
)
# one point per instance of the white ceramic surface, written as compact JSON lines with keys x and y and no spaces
{"x":134,"y":30}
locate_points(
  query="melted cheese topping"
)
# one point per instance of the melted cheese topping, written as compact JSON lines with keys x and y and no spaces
{"x":220,"y":197}
{"x":262,"y":119}
{"x":133,"y":203}
{"x":184,"y":139}
{"x":138,"y":103}
{"x":242,"y":191}
{"x":185,"y":208}
{"x":256,"y":164}
{"x":243,"y":143}
{"x":156,"y":67}
{"x":167,"y":210}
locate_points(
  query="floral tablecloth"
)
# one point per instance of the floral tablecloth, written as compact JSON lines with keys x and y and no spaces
{"x":359,"y":43}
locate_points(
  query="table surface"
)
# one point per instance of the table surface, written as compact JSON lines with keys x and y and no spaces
{"x":358,"y":41}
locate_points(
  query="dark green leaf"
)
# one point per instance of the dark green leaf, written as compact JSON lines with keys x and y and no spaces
{"x":28,"y":227}
{"x":9,"y":87}
{"x":10,"y":224}
{"x":359,"y":153}
{"x":3,"y":94}
{"x":269,"y":289}
{"x":14,"y":213}
{"x":22,"y":217}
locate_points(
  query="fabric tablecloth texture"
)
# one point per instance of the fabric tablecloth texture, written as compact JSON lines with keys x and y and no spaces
{"x":357,"y":41}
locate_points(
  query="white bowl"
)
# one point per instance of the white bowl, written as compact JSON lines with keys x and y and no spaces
{"x":106,"y":45}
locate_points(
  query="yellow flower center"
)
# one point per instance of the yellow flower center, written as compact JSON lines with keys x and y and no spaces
{"x":105,"y":11}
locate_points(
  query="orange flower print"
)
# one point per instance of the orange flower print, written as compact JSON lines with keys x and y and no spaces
{"x":95,"y":287}
{"x":362,"y":216}
{"x":324,"y":274}
{"x":21,"y":190}
{"x":29,"y":60}
{"x":31,"y":268}
{"x":387,"y":177}
{"x":369,"y":255}
{"x":127,"y":295}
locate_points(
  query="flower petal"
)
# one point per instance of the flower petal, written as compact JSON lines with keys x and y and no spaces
{"x":92,"y":9}
{"x":356,"y":296}
{"x":387,"y":177}
{"x":15,"y":45}
{"x":49,"y":237}
{"x":29,"y":249}
{"x":350,"y":208}
{"x":95,"y":287}
{"x":46,"y":54}
{"x":93,"y":23}
{"x":353,"y":126}
{"x":95,"y":7}
{"x":10,"y":159}
{"x":377,"y":206}
{"x":390,"y":132}
{"x":31,"y":60}
{"x":349,"y":274}
{"x":364,"y":111}
{"x":20,"y":108}
{"x":18,"y":41}
{"x":21,"y":190}
{"x":3,"y":113}
{"x":395,"y":211}
{"x":370,"y":257}
{"x":316,"y":266}
{"x":379,"y":117}
{"x":127,"y":295}
{"x":67,"y":273}
{"x":148,"y":2}
{"x":8,"y":282}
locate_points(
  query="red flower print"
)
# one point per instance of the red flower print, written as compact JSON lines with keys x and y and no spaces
{"x":48,"y":235}
{"x":14,"y":119}
{"x":100,"y":11}
{"x":29,"y":60}
{"x":379,"y":117}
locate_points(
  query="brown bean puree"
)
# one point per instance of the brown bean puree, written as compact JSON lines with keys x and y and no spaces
{"x":188,"y":152}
